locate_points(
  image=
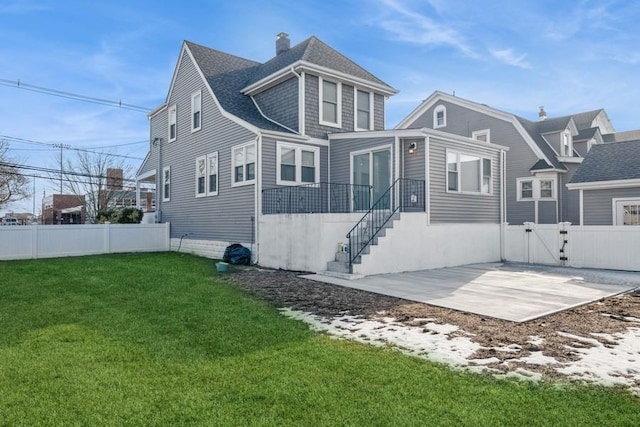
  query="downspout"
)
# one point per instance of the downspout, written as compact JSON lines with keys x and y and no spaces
{"x":502,"y":204}
{"x":301,"y":101}
{"x":427,"y":170}
{"x":581,"y":207}
{"x":159,"y":175}
{"x":258,"y":199}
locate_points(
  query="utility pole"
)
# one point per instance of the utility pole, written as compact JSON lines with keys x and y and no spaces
{"x":61,"y":146}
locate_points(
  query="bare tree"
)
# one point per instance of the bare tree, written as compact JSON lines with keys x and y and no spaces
{"x":87,"y":175}
{"x":13,"y":184}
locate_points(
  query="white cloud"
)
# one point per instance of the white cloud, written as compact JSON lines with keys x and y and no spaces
{"x":414,"y":27}
{"x":509,"y":57}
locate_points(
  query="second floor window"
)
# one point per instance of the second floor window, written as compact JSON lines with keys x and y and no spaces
{"x":330,"y":110}
{"x":166,"y":183}
{"x":363,"y":110}
{"x":567,"y":144}
{"x":173,"y":123}
{"x":196,"y":111}
{"x":439,"y":116}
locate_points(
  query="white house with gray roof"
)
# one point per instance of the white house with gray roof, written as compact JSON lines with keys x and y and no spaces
{"x":291,"y":158}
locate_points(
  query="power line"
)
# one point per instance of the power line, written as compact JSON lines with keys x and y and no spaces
{"x":70,"y":95}
{"x":40,"y":143}
{"x":55,"y":171}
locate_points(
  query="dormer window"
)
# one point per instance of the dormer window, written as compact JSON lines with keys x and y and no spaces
{"x":439,"y":117}
{"x":566,"y":150}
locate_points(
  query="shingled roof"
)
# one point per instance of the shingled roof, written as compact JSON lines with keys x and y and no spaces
{"x":228,"y":74}
{"x":610,"y":162}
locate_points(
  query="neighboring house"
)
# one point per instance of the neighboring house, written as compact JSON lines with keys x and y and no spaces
{"x":63,"y":209}
{"x":608,"y":182}
{"x":289,"y":155}
{"x":542,"y":157}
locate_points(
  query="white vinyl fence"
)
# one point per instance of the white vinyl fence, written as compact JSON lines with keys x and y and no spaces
{"x":608,"y":247}
{"x":51,"y":241}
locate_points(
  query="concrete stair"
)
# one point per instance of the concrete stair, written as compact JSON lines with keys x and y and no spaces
{"x":340,"y":265}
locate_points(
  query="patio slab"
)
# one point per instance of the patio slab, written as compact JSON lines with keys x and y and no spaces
{"x":515,"y":292}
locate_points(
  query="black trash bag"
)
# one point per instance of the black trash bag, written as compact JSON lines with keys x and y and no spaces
{"x":237,"y":254}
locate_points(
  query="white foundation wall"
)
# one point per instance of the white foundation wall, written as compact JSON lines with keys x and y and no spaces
{"x":206,"y":248}
{"x":413,"y":245}
{"x":302,"y":242}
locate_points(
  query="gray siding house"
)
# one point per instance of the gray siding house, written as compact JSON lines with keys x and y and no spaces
{"x":542,"y":158}
{"x":291,"y":156}
{"x":608,"y":183}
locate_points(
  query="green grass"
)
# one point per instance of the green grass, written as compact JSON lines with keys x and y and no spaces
{"x":158,"y":339}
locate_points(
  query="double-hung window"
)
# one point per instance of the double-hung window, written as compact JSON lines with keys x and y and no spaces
{"x":243,"y":159}
{"x":536,"y":189}
{"x":196,"y":111}
{"x":566,"y":150}
{"x":297,"y":164}
{"x":212,"y":174}
{"x":207,"y":175}
{"x":173,"y":123}
{"x":330,"y":105}
{"x":201,"y":176}
{"x":166,"y":183}
{"x":468,"y":173}
{"x":364,"y":107}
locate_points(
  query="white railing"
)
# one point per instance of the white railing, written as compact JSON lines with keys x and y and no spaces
{"x":608,"y":247}
{"x":51,"y":241}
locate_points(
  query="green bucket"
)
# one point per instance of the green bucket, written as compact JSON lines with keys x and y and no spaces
{"x":222,"y":266}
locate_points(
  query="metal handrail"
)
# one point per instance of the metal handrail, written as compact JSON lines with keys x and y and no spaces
{"x":394,"y":199}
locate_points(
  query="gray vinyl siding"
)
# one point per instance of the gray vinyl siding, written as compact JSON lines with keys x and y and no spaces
{"x":450,"y":207}
{"x":340,"y":156}
{"x":314,"y":129}
{"x":269,"y":161}
{"x":280,"y":103}
{"x":227,"y":216}
{"x":569,"y":199}
{"x":547,"y":213}
{"x":159,"y":126}
{"x":555,"y":141}
{"x":581,"y":148}
{"x":520,"y":158}
{"x":598,"y":204}
{"x":412,"y":165}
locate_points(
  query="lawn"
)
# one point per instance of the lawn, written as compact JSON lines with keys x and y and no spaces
{"x":161,"y":339}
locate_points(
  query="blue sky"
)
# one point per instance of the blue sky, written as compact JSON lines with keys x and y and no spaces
{"x":514,"y":55}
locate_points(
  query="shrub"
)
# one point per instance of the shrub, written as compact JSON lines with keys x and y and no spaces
{"x":120,"y":216}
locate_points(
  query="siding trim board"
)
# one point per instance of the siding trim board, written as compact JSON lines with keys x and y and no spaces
{"x":601,"y":185}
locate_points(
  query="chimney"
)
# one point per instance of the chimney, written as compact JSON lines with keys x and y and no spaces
{"x":542,"y":115}
{"x":282,"y":43}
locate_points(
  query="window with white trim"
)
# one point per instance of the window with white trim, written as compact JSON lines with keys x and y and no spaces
{"x":567,"y":144}
{"x":196,"y":111}
{"x":483,"y":135}
{"x":536,"y":189}
{"x":439,"y":117}
{"x":330,"y":105}
{"x":468,"y":173}
{"x":243,"y":159}
{"x":626,"y":211}
{"x":364,"y":107}
{"x":212,"y":174}
{"x":166,"y":183}
{"x":297,"y":164}
{"x":201,"y":176}
{"x":173,"y":127}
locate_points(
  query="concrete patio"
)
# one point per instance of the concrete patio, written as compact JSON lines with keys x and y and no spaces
{"x":509,"y":291}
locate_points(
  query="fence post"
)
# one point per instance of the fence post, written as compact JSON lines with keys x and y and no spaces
{"x":107,"y":237}
{"x":528,"y":229}
{"x":167,"y":234}
{"x":34,"y":241}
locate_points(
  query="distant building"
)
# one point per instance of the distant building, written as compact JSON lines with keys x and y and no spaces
{"x":63,"y":209}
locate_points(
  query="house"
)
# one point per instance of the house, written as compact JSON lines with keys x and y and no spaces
{"x":542,"y":158}
{"x":608,"y":182}
{"x":291,"y":156}
{"x":63,"y":209}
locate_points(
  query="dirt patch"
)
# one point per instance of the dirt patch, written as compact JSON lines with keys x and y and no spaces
{"x":559,"y":336}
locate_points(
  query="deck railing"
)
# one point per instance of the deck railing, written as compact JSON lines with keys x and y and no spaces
{"x":321,"y":197}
